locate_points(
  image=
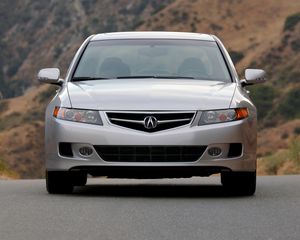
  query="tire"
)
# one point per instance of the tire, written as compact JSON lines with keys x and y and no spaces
{"x":79,"y":178}
{"x":239,"y":183}
{"x":59,"y":182}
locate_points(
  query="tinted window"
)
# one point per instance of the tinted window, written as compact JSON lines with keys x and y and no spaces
{"x":153,"y":57}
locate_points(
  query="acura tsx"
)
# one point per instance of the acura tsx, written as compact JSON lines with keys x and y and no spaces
{"x":151,"y":105}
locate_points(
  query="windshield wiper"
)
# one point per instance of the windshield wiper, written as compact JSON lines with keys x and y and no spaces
{"x":77,"y":79}
{"x":160,"y":77}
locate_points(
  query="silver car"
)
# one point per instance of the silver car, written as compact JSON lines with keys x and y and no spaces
{"x":151,"y":105}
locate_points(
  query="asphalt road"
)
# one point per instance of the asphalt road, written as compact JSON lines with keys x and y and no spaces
{"x":180,"y":209}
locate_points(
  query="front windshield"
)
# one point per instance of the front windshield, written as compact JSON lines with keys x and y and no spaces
{"x":157,"y":58}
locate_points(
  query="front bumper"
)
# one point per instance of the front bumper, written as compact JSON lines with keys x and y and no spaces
{"x":220,"y":135}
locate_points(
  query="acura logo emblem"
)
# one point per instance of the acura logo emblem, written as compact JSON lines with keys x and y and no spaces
{"x":150,"y":122}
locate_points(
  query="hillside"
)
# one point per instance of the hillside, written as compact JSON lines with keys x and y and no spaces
{"x":264,"y":36}
{"x":22,"y":132}
{"x":35,"y":34}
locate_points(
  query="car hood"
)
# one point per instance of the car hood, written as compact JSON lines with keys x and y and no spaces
{"x":151,"y":94}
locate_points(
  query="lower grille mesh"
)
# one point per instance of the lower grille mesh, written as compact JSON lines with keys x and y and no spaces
{"x":150,"y":153}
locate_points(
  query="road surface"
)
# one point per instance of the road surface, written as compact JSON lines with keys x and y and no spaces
{"x":180,"y":209}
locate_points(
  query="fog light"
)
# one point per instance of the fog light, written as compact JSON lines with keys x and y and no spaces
{"x":214,"y":151}
{"x":85,"y":151}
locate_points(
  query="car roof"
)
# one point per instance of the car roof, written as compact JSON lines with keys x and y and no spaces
{"x":153,"y":35}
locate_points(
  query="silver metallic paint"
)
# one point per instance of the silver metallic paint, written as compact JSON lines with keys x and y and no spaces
{"x":151,"y":95}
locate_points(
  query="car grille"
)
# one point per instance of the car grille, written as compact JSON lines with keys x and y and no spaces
{"x":150,"y":153}
{"x":150,"y":121}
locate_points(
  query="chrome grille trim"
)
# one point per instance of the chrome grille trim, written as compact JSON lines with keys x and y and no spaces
{"x":136,"y":119}
{"x":126,"y":120}
{"x":142,"y":122}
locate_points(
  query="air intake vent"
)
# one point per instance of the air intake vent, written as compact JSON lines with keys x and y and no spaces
{"x":150,"y":153}
{"x":65,"y":149}
{"x":235,"y":150}
{"x":150,"y":121}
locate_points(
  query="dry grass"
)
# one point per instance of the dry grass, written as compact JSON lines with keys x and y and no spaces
{"x":6,"y":172}
{"x":283,"y":161}
{"x":22,"y":134}
{"x":276,"y":138}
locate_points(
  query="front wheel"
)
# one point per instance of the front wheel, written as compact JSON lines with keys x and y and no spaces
{"x":59,"y":182}
{"x":79,"y":178}
{"x":241,"y":183}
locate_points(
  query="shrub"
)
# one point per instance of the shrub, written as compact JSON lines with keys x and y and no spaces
{"x":284,"y":135}
{"x":274,"y":162}
{"x":294,"y":151}
{"x":88,"y":5}
{"x":295,"y":45}
{"x":216,"y":27}
{"x":15,"y":87}
{"x":297,"y":130}
{"x":14,"y":67}
{"x":3,"y":106}
{"x":33,"y":115}
{"x":57,"y":51}
{"x":263,"y":96}
{"x":184,"y":17}
{"x":2,"y":166}
{"x":289,"y":107}
{"x":270,"y":122}
{"x":139,"y":7}
{"x":236,"y":56}
{"x":111,"y":24}
{"x":6,"y":171}
{"x":291,"y":21}
{"x":46,"y":95}
{"x":292,"y":76}
{"x":10,"y":121}
{"x":157,"y":7}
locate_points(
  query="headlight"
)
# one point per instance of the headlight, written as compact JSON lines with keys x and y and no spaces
{"x":219,"y":116}
{"x":78,"y":115}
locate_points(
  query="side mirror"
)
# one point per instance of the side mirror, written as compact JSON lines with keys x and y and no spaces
{"x":50,"y":75}
{"x":253,"y":76}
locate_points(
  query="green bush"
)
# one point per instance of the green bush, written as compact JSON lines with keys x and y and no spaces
{"x":33,"y":115}
{"x":10,"y":121}
{"x":158,"y":6}
{"x":57,"y":51}
{"x":263,"y":96}
{"x":295,"y":45}
{"x":88,"y":4}
{"x":297,"y":130}
{"x":14,"y":67}
{"x":289,"y":107}
{"x":3,"y":166}
{"x":216,"y":27}
{"x":294,"y":151}
{"x":139,"y":7}
{"x":284,"y":135}
{"x":15,"y":87}
{"x":3,"y":106}
{"x":292,"y":77}
{"x":291,"y":21}
{"x":274,"y":162}
{"x":6,"y":171}
{"x":45,"y":96}
{"x":236,"y":56}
